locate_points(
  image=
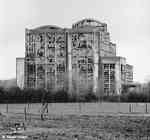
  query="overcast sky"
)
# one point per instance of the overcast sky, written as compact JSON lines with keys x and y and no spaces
{"x":128,"y":23}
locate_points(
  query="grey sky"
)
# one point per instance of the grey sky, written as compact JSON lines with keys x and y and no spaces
{"x":128,"y":23}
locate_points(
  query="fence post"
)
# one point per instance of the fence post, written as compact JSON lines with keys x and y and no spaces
{"x":79,"y":108}
{"x":130,"y":108}
{"x":47,"y":109}
{"x":7,"y":107}
{"x":25,"y":113}
{"x":146,"y":109}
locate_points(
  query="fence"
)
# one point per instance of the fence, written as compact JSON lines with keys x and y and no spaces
{"x":78,"y":108}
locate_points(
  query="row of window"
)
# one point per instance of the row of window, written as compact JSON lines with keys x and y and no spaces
{"x":109,"y":66}
{"x":51,"y":38}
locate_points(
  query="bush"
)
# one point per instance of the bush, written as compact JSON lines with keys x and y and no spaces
{"x":90,"y":97}
{"x":61,"y":96}
{"x":111,"y":98}
{"x":17,"y":95}
{"x":134,"y":97}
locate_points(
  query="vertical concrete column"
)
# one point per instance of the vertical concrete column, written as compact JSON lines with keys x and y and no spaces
{"x":36,"y":74}
{"x":101,"y":79}
{"x":96,"y":59}
{"x":27,"y":31}
{"x":36,"y":62}
{"x":109,"y":81}
{"x":117,"y":77}
{"x":100,"y":69}
{"x":25,"y":68}
{"x":45,"y":45}
{"x":55,"y":34}
{"x":69,"y":65}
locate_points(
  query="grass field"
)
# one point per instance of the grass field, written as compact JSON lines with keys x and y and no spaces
{"x":84,"y":121}
{"x":84,"y":127}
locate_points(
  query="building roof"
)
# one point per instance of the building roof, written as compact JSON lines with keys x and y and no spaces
{"x":112,"y":59}
{"x":88,"y":22}
{"x":48,"y":27}
{"x":89,"y":25}
{"x":45,"y":28}
{"x":129,"y":66}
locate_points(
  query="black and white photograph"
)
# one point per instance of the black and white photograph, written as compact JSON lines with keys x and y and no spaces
{"x":74,"y":70}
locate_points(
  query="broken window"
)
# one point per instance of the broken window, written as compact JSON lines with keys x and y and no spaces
{"x":83,"y":68}
{"x":60,"y":38}
{"x":106,"y":66}
{"x":50,"y":37}
{"x":90,"y":60}
{"x":51,"y":52}
{"x":40,"y":52}
{"x":90,"y":68}
{"x":60,"y":53}
{"x":31,"y":68}
{"x":83,"y":44}
{"x":51,"y":68}
{"x":112,"y":66}
{"x":40,"y":68}
{"x":60,"y":67}
{"x":41,"y":37}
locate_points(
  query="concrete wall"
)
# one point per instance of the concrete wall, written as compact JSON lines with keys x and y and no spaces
{"x":79,"y":108}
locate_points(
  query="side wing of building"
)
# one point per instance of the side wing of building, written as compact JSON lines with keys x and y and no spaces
{"x":20,"y":72}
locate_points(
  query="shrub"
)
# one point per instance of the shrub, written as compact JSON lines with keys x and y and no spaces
{"x":60,"y":96}
{"x":90,"y":97}
{"x":16,"y":95}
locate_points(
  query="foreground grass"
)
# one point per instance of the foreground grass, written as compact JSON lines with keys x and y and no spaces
{"x":104,"y":127}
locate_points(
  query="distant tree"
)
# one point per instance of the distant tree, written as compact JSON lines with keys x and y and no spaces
{"x":90,"y":97}
{"x":1,"y":90}
{"x":61,"y":96}
{"x":13,"y":94}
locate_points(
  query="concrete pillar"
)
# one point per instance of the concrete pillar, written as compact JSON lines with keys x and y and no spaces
{"x":117,"y":77}
{"x":46,"y":79}
{"x":69,"y":65}
{"x":96,"y":62}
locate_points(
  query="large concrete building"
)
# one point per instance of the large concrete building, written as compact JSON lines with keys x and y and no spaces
{"x":78,"y":59}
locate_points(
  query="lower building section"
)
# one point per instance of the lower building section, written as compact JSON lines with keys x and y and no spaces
{"x":45,"y":76}
{"x":112,"y":73}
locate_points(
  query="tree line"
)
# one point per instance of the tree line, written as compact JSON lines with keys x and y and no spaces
{"x":17,"y":95}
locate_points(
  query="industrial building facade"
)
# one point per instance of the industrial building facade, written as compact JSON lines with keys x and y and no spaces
{"x":80,"y":60}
